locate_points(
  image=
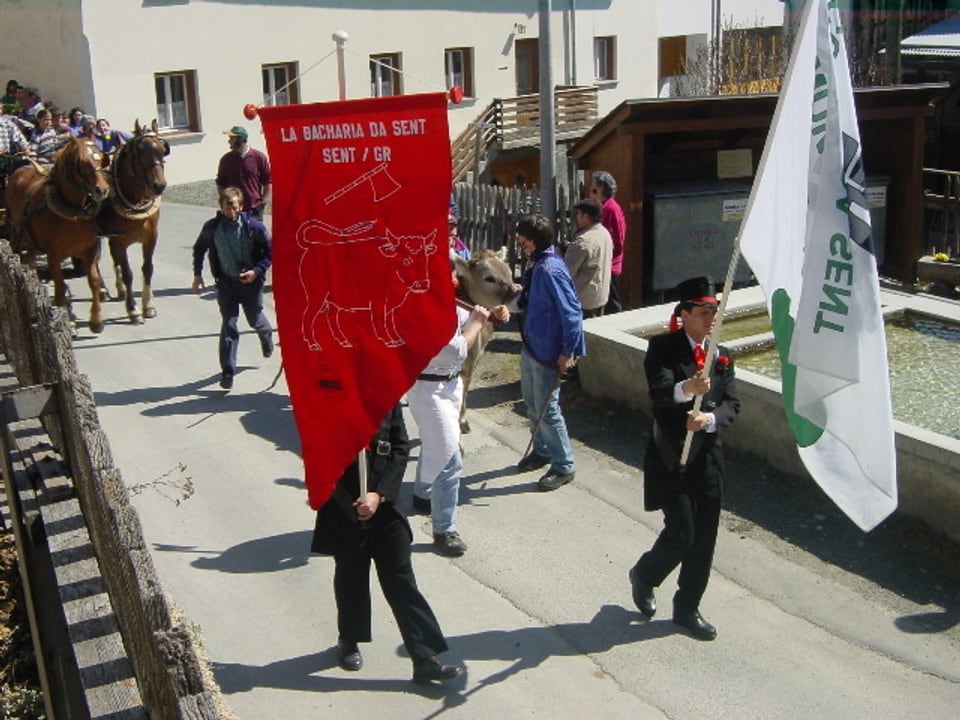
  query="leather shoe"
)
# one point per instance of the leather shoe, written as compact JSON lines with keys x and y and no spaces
{"x":349,"y":656}
{"x":421,"y":504}
{"x":433,"y":670}
{"x":698,"y":627}
{"x":449,"y":543}
{"x":553,"y":479}
{"x":226,"y":381}
{"x":533,"y":461}
{"x":643,"y":596}
{"x":266,"y":348}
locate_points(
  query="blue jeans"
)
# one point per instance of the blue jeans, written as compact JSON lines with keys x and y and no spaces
{"x":231,"y":296}
{"x":443,"y":492}
{"x":538,"y":385}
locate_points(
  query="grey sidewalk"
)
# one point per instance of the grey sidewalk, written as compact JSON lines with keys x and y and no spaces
{"x":539,"y":607}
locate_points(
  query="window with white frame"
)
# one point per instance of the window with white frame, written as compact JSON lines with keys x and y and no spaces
{"x":177,"y":100}
{"x":281,"y":85}
{"x":605,"y":58}
{"x":458,"y":67}
{"x":385,"y":75}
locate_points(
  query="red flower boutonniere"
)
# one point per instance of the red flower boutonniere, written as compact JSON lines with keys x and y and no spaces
{"x":723,"y":362}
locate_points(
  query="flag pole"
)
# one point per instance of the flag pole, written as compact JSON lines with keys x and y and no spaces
{"x":712,"y":342}
{"x":735,"y":259}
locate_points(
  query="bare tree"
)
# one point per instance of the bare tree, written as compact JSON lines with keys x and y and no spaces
{"x":751,"y":60}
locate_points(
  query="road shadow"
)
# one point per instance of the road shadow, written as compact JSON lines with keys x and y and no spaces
{"x":261,"y":555}
{"x":522,"y":649}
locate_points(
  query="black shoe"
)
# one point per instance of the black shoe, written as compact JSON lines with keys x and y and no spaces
{"x":266,"y":348}
{"x":643,"y":596}
{"x":226,"y":381}
{"x":533,"y":461}
{"x":698,"y":627}
{"x":449,"y":543}
{"x":553,"y":479}
{"x":433,"y":670}
{"x":348,"y":654}
{"x":422,"y":504}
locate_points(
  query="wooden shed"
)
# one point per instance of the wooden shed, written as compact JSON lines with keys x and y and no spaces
{"x":715,"y":143}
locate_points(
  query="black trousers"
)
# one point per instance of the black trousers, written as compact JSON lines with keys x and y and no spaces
{"x":614,"y":302}
{"x":688,"y":539}
{"x":387,"y":543}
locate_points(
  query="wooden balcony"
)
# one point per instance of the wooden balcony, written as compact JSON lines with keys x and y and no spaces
{"x":509,"y":123}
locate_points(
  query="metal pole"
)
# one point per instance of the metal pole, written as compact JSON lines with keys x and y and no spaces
{"x":573,"y":41}
{"x":548,"y":133}
{"x":340,"y":37}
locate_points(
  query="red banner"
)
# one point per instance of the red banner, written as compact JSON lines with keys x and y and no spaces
{"x":361,"y":271}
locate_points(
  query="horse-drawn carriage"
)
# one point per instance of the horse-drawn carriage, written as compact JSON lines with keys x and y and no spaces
{"x":64,"y":210}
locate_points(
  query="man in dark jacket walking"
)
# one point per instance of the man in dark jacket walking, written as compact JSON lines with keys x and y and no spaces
{"x":690,"y":495}
{"x":356,"y":527}
{"x":239,"y":248}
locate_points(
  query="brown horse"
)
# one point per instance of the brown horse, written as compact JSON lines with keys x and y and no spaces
{"x":55,"y":212}
{"x":133,"y":212}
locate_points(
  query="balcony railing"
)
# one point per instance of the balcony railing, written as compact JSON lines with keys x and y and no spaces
{"x":514,"y":122}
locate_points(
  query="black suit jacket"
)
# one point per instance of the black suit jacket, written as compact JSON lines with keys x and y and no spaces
{"x":670,"y":360}
{"x":337,"y":520}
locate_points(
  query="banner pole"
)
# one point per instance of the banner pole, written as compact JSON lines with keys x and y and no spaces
{"x":362,"y":469}
{"x":340,"y":37}
{"x":712,"y":342}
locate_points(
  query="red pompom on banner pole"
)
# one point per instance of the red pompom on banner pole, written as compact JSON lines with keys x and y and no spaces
{"x":250,"y":111}
{"x":455,"y":94}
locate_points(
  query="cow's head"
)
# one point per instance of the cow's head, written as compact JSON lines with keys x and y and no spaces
{"x":411,"y":258}
{"x":486,"y":280}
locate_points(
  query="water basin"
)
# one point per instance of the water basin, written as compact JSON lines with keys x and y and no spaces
{"x":920,"y":352}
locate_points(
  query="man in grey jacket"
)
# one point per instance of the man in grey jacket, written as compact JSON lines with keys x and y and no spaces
{"x":588,"y":257}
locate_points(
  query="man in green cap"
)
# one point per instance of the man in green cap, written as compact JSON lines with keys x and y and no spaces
{"x":248,"y":169}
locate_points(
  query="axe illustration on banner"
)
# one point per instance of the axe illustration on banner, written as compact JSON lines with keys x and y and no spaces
{"x":382,"y":188}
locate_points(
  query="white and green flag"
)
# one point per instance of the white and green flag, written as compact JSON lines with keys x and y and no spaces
{"x":806,"y":235}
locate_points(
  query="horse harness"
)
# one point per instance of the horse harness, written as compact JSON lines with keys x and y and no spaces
{"x":54,"y":201}
{"x":122,"y":205}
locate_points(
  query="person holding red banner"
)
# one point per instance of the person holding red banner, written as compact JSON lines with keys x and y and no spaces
{"x":689,"y":495}
{"x":435,"y":400}
{"x":239,"y":248}
{"x":552,"y":341}
{"x":356,"y":529}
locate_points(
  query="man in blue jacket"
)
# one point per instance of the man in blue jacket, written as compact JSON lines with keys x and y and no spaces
{"x":239,"y":247}
{"x":552,"y":341}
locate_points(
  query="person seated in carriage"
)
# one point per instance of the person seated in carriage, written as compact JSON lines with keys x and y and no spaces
{"x":45,"y":141}
{"x":13,"y":145}
{"x":108,"y":139}
{"x":75,"y":121}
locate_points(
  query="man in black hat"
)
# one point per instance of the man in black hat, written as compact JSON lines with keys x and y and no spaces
{"x":248,"y":169}
{"x":690,"y":495}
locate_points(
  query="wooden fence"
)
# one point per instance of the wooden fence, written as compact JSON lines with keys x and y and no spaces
{"x":489,"y":214}
{"x":941,"y":202}
{"x":127,"y":653}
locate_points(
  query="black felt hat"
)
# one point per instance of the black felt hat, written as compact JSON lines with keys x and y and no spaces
{"x":691,"y":293}
{"x":696,"y":291}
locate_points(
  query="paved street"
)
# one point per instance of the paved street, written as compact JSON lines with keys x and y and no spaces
{"x":539,"y":608}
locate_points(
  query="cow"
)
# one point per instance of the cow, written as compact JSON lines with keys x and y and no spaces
{"x":395,"y":266}
{"x":485,"y":279}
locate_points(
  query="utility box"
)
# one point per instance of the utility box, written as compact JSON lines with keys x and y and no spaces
{"x":694,"y":227}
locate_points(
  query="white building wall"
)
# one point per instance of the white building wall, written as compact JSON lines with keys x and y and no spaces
{"x":102,"y":54}
{"x":42,"y":44}
{"x":692,"y":17}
